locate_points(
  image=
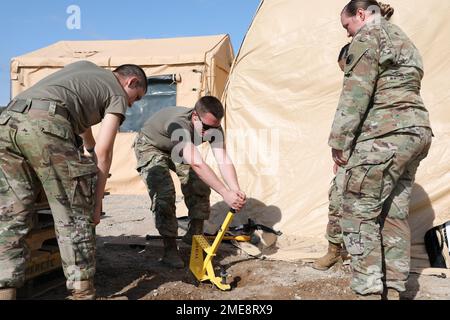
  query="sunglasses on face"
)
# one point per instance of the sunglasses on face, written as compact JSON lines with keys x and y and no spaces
{"x":205,"y":126}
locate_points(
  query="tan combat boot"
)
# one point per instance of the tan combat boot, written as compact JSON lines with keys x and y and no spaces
{"x":391,"y":294}
{"x":8,"y":294}
{"x":330,"y":258}
{"x":83,"y":290}
{"x":195,"y":228}
{"x":372,"y":296}
{"x":171,"y":256}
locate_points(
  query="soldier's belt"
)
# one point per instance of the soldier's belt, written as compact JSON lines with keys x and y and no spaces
{"x":23,"y":106}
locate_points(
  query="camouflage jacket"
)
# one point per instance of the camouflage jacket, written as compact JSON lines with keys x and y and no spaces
{"x":381,"y":92}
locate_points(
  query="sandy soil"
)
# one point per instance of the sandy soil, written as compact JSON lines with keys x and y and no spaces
{"x":128,"y":268}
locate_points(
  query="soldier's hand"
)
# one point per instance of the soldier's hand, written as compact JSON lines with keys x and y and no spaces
{"x":242,"y":196}
{"x":335,"y":168}
{"x":338,"y":157}
{"x":234,"y":199}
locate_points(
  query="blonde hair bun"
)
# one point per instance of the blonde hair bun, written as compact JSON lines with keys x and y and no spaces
{"x":386,"y":10}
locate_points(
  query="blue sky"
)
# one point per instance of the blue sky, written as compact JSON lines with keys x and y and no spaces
{"x":29,"y":25}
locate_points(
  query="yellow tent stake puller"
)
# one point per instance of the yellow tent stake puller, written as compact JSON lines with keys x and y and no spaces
{"x":240,"y":238}
{"x":201,"y":266}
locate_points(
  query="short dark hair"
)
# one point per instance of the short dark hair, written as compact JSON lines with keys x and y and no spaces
{"x":132,"y":70}
{"x":210,"y":104}
{"x":344,"y":52}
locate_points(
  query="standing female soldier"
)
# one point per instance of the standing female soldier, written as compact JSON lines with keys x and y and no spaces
{"x":382,"y":121}
{"x":334,"y":233}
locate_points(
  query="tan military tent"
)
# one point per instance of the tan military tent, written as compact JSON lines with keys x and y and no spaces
{"x":280,"y":102}
{"x":198,"y":65}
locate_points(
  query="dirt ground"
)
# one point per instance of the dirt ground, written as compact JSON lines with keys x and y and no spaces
{"x":128,"y":268}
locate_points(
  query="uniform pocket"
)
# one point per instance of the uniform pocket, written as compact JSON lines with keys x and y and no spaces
{"x":364,"y":174}
{"x":142,"y":161}
{"x":56,"y":130}
{"x":83,"y":177}
{"x":145,"y":153}
{"x":352,"y":236}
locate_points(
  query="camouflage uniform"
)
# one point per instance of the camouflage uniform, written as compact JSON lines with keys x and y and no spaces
{"x":154,"y":167}
{"x":334,"y":231}
{"x":382,"y":121}
{"x":39,"y":149}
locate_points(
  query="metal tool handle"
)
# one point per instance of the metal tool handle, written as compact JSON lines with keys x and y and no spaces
{"x":223,"y":229}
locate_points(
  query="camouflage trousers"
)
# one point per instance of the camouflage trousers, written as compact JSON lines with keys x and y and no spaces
{"x":154,"y":167}
{"x":37,"y":150}
{"x":376,"y":195}
{"x":334,"y":231}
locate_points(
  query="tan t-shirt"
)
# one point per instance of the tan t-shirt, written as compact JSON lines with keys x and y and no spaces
{"x":172,"y":125}
{"x":86,"y":90}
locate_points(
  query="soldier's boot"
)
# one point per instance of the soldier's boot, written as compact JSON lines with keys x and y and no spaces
{"x":83,"y":290}
{"x":195,"y":228}
{"x":330,"y":258}
{"x":372,"y":296}
{"x":8,"y":294}
{"x":171,"y":255}
{"x":391,"y":294}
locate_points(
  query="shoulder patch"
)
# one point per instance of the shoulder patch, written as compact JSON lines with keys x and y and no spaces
{"x":356,"y":52}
